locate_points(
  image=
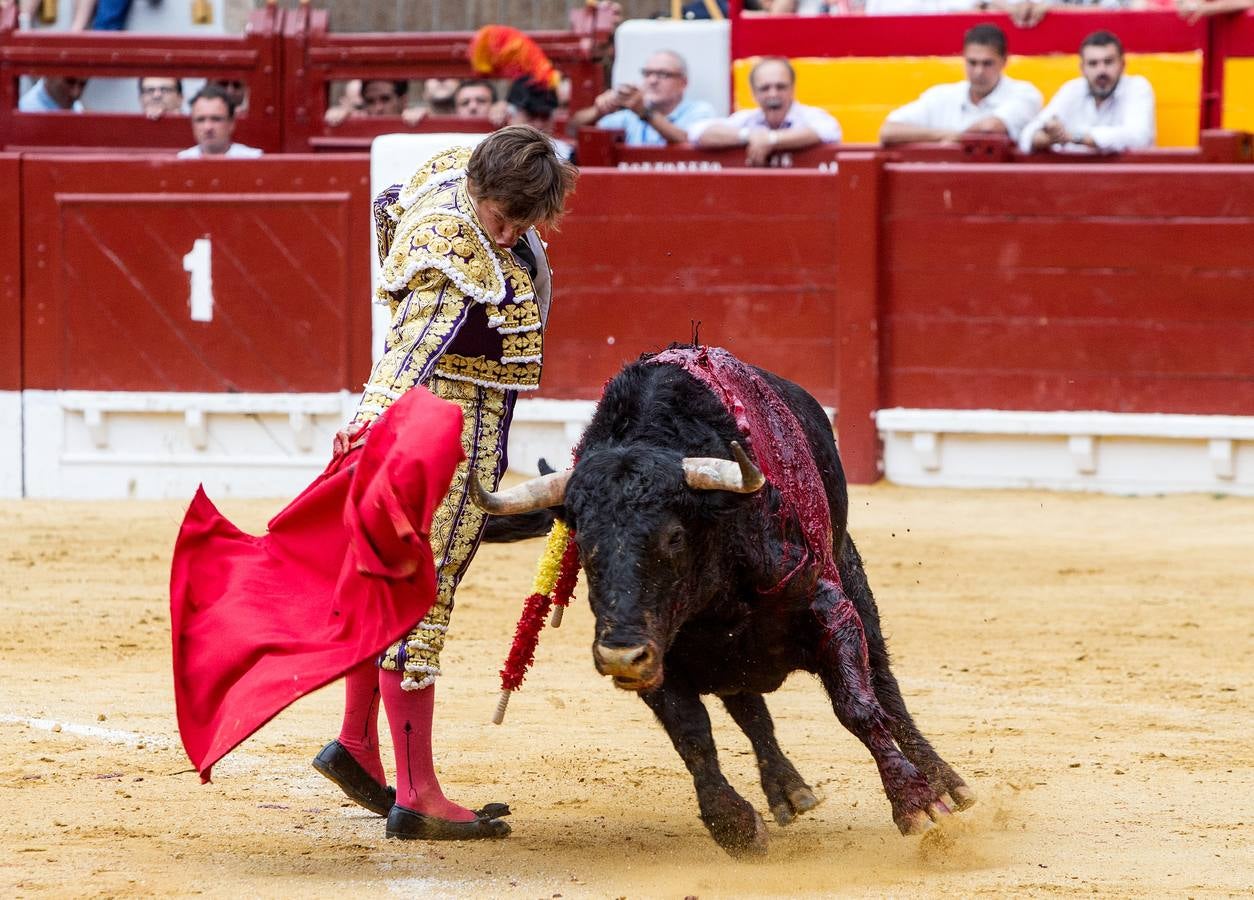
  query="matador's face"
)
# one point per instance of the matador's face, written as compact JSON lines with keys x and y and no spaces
{"x":503,"y":230}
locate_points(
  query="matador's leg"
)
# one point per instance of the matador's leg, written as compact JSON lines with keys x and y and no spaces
{"x":456,"y":527}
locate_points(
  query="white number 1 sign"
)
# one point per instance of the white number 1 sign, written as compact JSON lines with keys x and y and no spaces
{"x":199,"y":262}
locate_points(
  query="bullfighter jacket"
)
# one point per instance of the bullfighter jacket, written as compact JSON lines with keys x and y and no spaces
{"x":462,"y":308}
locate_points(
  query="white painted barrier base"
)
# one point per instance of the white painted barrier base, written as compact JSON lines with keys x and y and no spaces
{"x":10,"y":444}
{"x":95,"y":445}
{"x":1115,"y":453}
{"x":548,"y":429}
{"x":99,"y":445}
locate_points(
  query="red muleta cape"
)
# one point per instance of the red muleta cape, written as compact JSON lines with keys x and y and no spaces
{"x":342,"y":572}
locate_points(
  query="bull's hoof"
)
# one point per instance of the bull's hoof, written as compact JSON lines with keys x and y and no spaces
{"x":920,"y":820}
{"x":963,"y":797}
{"x":799,"y":800}
{"x":737,"y":828}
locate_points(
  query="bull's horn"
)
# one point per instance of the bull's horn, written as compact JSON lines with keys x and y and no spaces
{"x":709,"y":473}
{"x":536,"y":493}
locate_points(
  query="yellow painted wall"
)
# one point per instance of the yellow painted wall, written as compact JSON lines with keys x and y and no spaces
{"x":860,"y":91}
{"x":1239,"y":94}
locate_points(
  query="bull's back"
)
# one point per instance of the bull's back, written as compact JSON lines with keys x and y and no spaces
{"x":660,"y":403}
{"x":818,"y":431}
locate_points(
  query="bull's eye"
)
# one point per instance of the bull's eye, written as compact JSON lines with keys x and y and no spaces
{"x":671,"y":540}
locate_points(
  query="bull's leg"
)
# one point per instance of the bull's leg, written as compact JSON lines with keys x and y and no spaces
{"x":786,"y":793}
{"x":733,"y":823}
{"x":913,"y":744}
{"x":846,"y":673}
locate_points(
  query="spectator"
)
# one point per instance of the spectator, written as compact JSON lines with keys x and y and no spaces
{"x":1022,"y":13}
{"x":919,"y":7}
{"x":236,"y":91}
{"x":701,"y":9}
{"x":533,"y":104}
{"x":778,"y":123}
{"x":384,"y":98}
{"x":348,"y":104}
{"x":438,"y":94}
{"x":54,"y":93}
{"x":987,"y":102}
{"x":101,"y":15}
{"x":1192,"y":10}
{"x":652,"y":114}
{"x":213,"y":124}
{"x":772,"y":7}
{"x":473,"y":98}
{"x":159,"y":96}
{"x":1103,"y":110}
{"x":28,"y":13}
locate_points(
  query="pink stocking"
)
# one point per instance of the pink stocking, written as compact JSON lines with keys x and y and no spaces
{"x":360,"y":732}
{"x":409,"y":716}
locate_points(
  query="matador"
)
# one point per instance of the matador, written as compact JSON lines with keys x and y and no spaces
{"x":466,"y":279}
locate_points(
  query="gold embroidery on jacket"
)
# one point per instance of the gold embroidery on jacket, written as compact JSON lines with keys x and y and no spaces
{"x":455,"y":527}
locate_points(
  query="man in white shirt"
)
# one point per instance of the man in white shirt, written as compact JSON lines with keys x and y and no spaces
{"x":54,"y":93}
{"x":1104,"y":110}
{"x":988,"y":102}
{"x":213,"y":125}
{"x":779,"y":123}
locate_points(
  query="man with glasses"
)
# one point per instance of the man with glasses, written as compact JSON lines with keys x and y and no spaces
{"x":653,"y":113}
{"x":778,"y":124}
{"x":160,"y":96}
{"x":54,"y":93}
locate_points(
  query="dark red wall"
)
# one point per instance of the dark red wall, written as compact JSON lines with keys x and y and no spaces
{"x":644,"y":255}
{"x":1128,"y":289}
{"x":106,"y":294}
{"x":10,"y":274}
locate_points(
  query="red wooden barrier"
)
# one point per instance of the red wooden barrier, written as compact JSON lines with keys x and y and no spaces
{"x":10,"y":274}
{"x":110,"y":243}
{"x":252,"y":57}
{"x":605,"y":148}
{"x":644,"y":256}
{"x":316,"y":57}
{"x":857,"y":324}
{"x":1124,"y":289}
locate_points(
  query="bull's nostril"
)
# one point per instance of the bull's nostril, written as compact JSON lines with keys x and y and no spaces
{"x":641,"y":657}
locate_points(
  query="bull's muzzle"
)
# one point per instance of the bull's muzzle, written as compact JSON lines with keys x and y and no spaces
{"x":636,"y":668}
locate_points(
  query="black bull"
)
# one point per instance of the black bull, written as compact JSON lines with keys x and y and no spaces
{"x":676,"y":579}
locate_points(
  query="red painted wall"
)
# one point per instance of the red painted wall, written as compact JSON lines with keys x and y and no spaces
{"x":107,"y":295}
{"x":1127,"y":289}
{"x":10,"y":275}
{"x":641,"y":256}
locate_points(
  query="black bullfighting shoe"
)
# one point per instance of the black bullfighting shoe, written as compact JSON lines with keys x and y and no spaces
{"x":337,"y":764}
{"x":407,"y":825}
